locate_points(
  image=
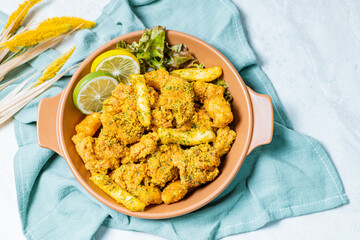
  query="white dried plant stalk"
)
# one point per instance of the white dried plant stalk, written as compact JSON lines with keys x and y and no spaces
{"x":26,"y":56}
{"x":4,"y":85}
{"x":6,"y":34}
{"x":29,"y":54}
{"x":19,"y":97}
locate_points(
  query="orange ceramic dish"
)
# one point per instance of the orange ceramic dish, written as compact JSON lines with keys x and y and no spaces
{"x":253,"y":123}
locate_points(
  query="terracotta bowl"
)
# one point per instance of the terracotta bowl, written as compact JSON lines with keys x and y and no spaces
{"x":253,"y":122}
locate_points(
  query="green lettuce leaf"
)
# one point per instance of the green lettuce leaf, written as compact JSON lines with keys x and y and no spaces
{"x":177,"y":56}
{"x":153,"y":52}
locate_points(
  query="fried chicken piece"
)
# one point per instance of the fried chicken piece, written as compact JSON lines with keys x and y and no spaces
{"x":157,"y":79}
{"x":89,"y":125}
{"x":205,"y":90}
{"x":219,"y":110}
{"x":202,"y":120}
{"x":125,"y":126}
{"x":173,"y":192}
{"x":161,"y":168}
{"x":109,"y":148}
{"x":154,"y":97}
{"x":197,"y":165}
{"x":197,"y":176}
{"x":162,"y":117}
{"x":203,"y":156}
{"x":148,"y":194}
{"x":177,"y":95}
{"x":122,"y":91}
{"x":119,"y":115}
{"x":224,"y":138}
{"x":214,"y":102}
{"x":112,"y":105}
{"x":84,"y":145}
{"x":121,"y":99}
{"x":146,"y":146}
{"x":186,"y":126}
{"x":132,"y":177}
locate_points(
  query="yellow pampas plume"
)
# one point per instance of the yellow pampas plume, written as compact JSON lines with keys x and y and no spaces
{"x":75,"y":22}
{"x":54,"y":67}
{"x":49,"y":28}
{"x":29,"y":54}
{"x":33,"y":37}
{"x":17,"y":17}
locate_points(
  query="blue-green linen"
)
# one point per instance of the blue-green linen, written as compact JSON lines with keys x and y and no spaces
{"x":291,"y":176}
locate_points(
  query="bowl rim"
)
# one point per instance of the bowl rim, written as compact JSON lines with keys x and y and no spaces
{"x":118,"y":207}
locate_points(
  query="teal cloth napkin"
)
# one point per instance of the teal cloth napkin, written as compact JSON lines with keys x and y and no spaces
{"x":291,"y":176}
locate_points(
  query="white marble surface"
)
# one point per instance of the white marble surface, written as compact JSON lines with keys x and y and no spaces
{"x":310,"y":50}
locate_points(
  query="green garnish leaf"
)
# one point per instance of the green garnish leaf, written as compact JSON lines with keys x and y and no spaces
{"x":177,"y":56}
{"x":153,"y":52}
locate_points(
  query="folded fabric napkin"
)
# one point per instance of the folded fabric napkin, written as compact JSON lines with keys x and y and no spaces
{"x":291,"y":176}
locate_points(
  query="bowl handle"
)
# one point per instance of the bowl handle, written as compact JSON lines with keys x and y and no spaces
{"x":47,"y":123}
{"x":263,"y":119}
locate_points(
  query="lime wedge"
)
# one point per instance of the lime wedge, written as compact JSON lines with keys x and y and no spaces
{"x":92,"y":90}
{"x":119,"y":62}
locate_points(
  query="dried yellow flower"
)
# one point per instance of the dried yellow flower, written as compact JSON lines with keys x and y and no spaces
{"x":75,"y":22}
{"x":33,"y":37}
{"x":27,"y":55}
{"x":54,"y":67}
{"x":49,"y":28}
{"x":17,"y":17}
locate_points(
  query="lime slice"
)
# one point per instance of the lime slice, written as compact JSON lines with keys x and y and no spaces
{"x":119,"y":62}
{"x":92,"y":90}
